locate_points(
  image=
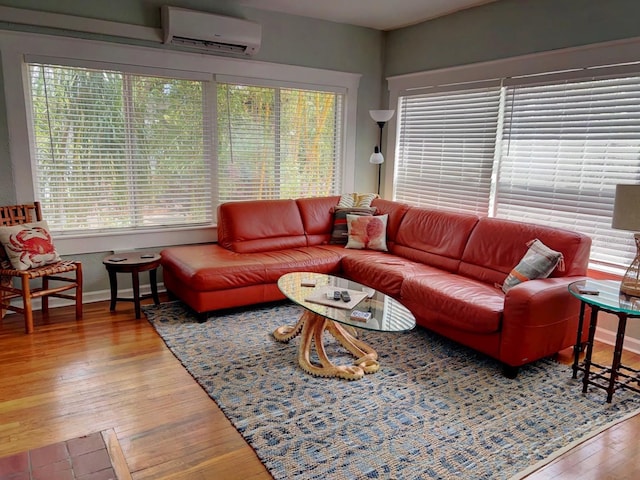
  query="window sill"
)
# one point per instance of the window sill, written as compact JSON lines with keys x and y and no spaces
{"x":605,"y":274}
{"x":106,"y":242}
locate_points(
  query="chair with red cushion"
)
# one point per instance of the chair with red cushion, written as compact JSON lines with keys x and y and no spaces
{"x":14,"y":215}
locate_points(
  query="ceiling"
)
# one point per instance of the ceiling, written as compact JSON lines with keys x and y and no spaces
{"x":378,"y":14}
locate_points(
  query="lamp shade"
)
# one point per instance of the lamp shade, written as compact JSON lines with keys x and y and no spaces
{"x":376,"y":157}
{"x":626,"y":209}
{"x":381,"y":115}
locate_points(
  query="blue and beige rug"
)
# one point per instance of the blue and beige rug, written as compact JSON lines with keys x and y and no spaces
{"x":435,"y":410}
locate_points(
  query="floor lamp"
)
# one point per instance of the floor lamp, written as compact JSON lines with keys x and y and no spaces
{"x":381,"y":117}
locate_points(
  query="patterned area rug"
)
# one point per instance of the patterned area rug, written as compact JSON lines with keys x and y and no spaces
{"x":435,"y":410}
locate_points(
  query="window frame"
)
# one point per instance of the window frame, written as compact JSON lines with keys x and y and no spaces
{"x":18,"y":48}
{"x":566,"y":64}
{"x":204,"y":103}
{"x":278,"y":87}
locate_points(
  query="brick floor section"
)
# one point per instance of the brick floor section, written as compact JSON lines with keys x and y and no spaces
{"x":83,"y":458}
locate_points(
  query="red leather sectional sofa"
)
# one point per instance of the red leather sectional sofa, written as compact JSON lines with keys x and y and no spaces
{"x":443,"y":266}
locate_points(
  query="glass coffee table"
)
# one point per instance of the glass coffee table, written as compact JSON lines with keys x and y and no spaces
{"x":339,"y":318}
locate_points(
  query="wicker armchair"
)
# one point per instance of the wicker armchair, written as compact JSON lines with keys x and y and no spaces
{"x":17,"y":215}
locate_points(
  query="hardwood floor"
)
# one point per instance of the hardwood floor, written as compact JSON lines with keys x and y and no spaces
{"x":111,"y":371}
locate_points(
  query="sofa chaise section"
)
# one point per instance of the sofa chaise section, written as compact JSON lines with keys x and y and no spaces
{"x":257,"y":243}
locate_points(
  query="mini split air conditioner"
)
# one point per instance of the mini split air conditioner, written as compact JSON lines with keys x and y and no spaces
{"x":213,"y":33}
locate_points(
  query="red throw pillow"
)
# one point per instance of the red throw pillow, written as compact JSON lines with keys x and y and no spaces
{"x":340,"y":232}
{"x":367,"y":232}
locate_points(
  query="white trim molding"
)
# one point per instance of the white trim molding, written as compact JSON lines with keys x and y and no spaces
{"x":74,"y":23}
{"x":608,"y":337}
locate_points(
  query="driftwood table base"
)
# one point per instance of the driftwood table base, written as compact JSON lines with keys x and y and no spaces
{"x":310,"y":327}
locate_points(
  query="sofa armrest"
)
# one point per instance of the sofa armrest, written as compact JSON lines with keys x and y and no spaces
{"x":540,"y":302}
{"x":540,"y":318}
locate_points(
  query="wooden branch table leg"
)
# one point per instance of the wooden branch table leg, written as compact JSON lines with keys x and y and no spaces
{"x":311,"y":327}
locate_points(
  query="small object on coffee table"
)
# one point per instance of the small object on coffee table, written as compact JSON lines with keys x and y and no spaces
{"x":308,"y":282}
{"x":360,"y":316}
{"x":336,"y":295}
{"x":587,"y":291}
{"x":345,"y":296}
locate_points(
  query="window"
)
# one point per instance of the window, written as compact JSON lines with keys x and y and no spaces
{"x":546,"y":153}
{"x":155,"y":174}
{"x":446,"y":144}
{"x":278,"y":142}
{"x":115,"y":150}
{"x":565,"y":147}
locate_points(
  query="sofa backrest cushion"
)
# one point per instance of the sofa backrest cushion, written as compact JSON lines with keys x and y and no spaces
{"x":434,"y":237}
{"x":396,"y":212}
{"x":317,"y":218}
{"x":496,"y":246}
{"x":260,"y":225}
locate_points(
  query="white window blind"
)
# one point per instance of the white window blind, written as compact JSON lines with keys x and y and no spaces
{"x":119,"y":151}
{"x":445,"y":149}
{"x":276,"y":142}
{"x":565,"y":146}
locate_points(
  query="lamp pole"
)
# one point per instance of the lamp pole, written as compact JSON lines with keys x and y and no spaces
{"x":381,"y":117}
{"x":381,"y":125}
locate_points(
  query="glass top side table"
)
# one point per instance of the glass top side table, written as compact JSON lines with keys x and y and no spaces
{"x":604,"y":295}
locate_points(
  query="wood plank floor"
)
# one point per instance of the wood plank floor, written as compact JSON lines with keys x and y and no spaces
{"x":111,"y":371}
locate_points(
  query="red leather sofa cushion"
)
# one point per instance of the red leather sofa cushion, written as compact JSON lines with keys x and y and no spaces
{"x":317,"y":219}
{"x":249,"y":227}
{"x":211,"y":267}
{"x":496,"y":246}
{"x":396,"y":212}
{"x":454,"y":301}
{"x":382,"y":271}
{"x":434,"y":237}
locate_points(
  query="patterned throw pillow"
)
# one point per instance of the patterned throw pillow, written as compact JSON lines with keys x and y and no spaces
{"x":356,"y":200}
{"x":340,"y":233}
{"x":538,"y":262}
{"x":28,"y":245}
{"x":367,"y":232}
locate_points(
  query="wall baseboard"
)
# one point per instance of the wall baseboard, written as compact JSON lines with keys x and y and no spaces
{"x":93,"y":297}
{"x":607,"y":336}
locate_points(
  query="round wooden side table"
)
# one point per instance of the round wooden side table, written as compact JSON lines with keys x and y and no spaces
{"x":134,"y":263}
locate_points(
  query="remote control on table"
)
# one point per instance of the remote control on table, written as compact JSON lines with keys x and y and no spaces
{"x":336,"y":295}
{"x":586,"y":291}
{"x":345,"y":296}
